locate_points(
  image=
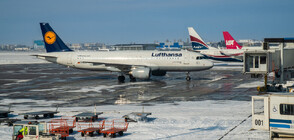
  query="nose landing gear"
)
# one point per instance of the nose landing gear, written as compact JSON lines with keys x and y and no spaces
{"x":188,"y":78}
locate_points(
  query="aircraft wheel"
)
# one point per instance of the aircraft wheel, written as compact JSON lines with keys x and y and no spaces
{"x":104,"y":135}
{"x":82,"y":134}
{"x":45,"y":115}
{"x":188,"y":78}
{"x":51,"y":115}
{"x":121,"y":78}
{"x":25,"y":116}
{"x":37,"y":117}
{"x":132,"y":78}
{"x":121,"y":133}
{"x":10,"y":124}
{"x":91,"y":134}
{"x":113,"y":135}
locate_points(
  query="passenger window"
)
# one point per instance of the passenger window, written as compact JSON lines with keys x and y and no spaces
{"x":287,"y":109}
{"x":199,"y":57}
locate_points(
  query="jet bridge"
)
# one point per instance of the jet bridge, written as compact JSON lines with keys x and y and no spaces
{"x":279,"y":60}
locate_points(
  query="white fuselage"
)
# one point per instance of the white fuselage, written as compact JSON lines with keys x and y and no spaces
{"x":117,"y":60}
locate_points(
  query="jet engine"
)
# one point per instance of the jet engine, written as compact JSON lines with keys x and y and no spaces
{"x":158,"y":73}
{"x":141,"y":73}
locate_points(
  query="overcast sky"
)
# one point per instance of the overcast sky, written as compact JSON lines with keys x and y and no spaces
{"x":144,"y":21}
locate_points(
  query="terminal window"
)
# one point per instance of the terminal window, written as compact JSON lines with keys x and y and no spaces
{"x":258,"y":106}
{"x":256,"y":62}
{"x":287,"y":109}
{"x":262,"y":59}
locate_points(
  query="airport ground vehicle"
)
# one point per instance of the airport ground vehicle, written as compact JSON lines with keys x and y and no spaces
{"x":136,"y":116}
{"x":37,"y":114}
{"x":35,"y":131}
{"x":274,"y":112}
{"x":113,"y":127}
{"x":8,"y":121}
{"x":90,"y":128}
{"x":87,"y":116}
{"x":4,"y":113}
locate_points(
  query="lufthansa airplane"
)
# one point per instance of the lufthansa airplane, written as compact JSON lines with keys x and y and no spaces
{"x":136,"y":64}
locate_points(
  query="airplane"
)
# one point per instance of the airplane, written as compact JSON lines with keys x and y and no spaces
{"x":136,"y":64}
{"x":198,"y":45}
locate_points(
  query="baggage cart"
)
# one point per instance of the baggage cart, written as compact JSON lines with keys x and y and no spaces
{"x":114,"y":126}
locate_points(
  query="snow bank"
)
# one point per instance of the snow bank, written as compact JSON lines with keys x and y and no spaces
{"x":20,"y":58}
{"x":203,"y":120}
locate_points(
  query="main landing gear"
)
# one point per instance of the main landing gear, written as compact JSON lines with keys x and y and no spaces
{"x":121,"y":78}
{"x":132,"y":78}
{"x":188,"y":78}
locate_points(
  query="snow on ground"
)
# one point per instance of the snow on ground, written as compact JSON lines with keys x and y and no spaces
{"x":203,"y":120}
{"x":251,"y":85}
{"x":20,"y":58}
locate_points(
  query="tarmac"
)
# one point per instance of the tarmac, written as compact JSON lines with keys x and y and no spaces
{"x":67,"y":87}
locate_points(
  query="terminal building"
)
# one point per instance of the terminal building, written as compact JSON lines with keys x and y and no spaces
{"x":38,"y":44}
{"x":122,"y":47}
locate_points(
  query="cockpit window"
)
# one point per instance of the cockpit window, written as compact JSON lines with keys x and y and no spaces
{"x":200,"y":57}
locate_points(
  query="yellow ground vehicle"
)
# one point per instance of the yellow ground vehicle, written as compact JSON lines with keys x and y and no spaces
{"x":35,"y":131}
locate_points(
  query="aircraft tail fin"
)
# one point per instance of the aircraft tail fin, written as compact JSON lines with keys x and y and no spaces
{"x":52,"y":41}
{"x":231,"y":43}
{"x":197,"y":42}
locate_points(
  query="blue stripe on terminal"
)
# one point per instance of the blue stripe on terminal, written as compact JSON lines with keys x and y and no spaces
{"x":280,"y":121}
{"x":280,"y":125}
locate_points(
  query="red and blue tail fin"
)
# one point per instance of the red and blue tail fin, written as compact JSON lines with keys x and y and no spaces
{"x":52,"y":41}
{"x":197,"y":42}
{"x":231,"y":43}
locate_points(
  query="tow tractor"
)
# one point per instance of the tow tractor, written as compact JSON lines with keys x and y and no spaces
{"x":35,"y":131}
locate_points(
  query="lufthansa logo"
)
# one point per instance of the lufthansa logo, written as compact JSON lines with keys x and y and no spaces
{"x":50,"y":37}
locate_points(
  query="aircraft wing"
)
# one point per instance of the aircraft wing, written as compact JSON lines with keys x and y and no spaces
{"x":46,"y":56}
{"x":122,"y":67}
